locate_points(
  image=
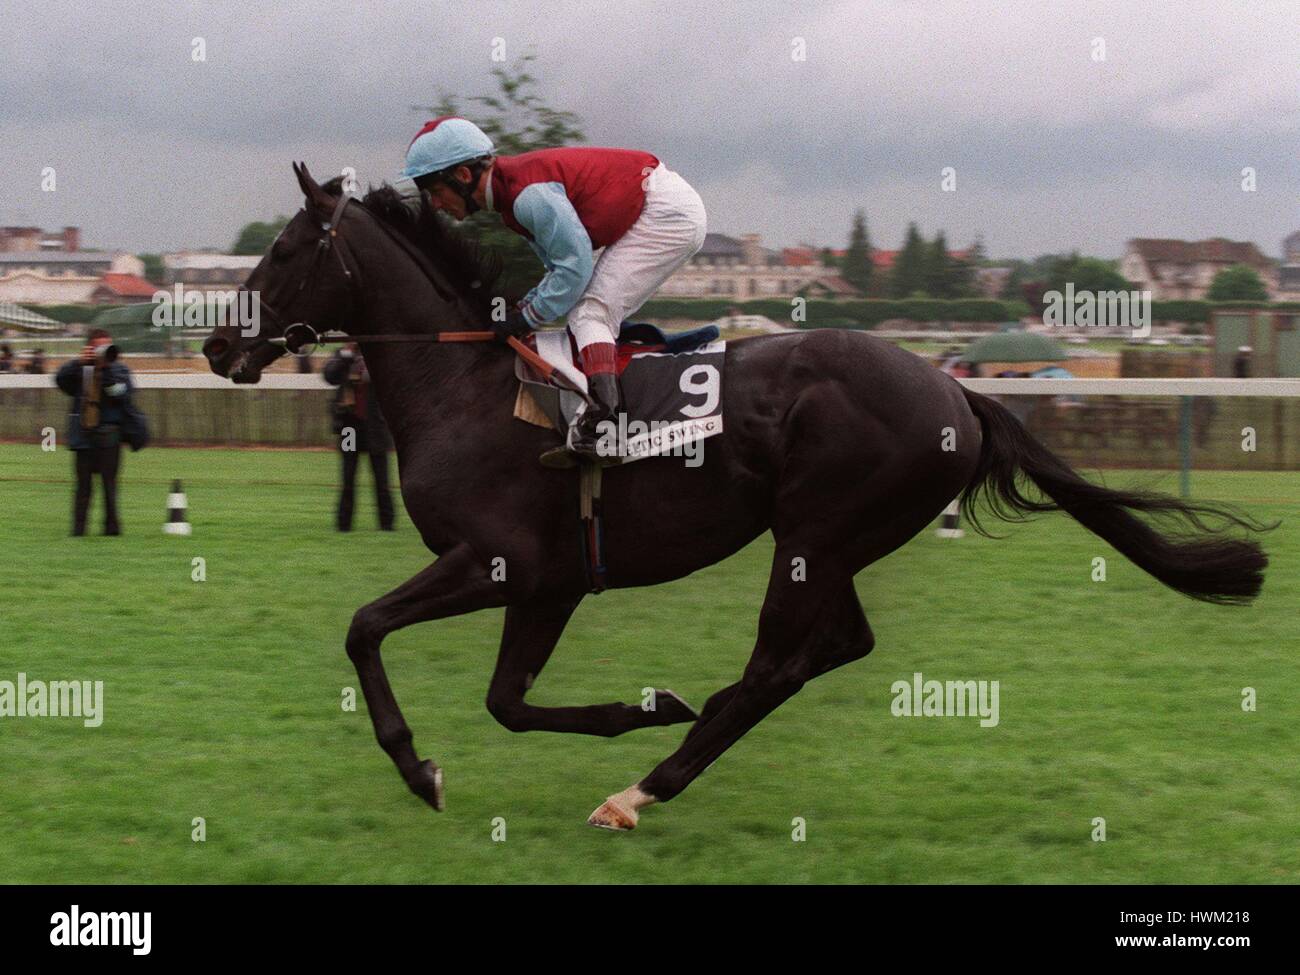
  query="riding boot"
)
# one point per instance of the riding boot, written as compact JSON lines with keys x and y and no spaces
{"x":584,"y":437}
{"x":584,"y":440}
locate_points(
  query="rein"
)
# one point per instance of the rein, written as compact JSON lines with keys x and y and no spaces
{"x":300,"y":339}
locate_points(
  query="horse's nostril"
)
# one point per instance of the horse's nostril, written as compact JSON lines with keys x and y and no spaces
{"x":214,"y":348}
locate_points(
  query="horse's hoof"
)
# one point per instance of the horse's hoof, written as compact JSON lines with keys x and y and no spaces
{"x":612,"y":816}
{"x":671,"y":707}
{"x":427,"y":784}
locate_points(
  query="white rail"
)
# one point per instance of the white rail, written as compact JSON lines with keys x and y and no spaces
{"x":1135,"y":387}
{"x":1001,"y":387}
{"x":184,"y":380}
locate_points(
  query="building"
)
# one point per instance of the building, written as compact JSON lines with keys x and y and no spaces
{"x":741,"y":268}
{"x":1174,"y":269}
{"x":208,"y":270}
{"x":15,"y":240}
{"x":43,"y":276}
{"x":122,"y":289}
{"x":1288,"y":275}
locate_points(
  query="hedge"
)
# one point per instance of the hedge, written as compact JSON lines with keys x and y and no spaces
{"x":852,"y":313}
{"x":869,"y":312}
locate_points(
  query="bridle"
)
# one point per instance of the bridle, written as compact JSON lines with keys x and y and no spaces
{"x":300,"y":339}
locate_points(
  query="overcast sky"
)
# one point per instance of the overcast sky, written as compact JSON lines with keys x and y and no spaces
{"x":1053,"y":149}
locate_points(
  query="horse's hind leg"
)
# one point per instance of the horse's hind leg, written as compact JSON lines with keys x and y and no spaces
{"x":842,"y":636}
{"x":530,"y":634}
{"x":783,"y":660}
{"x":457,"y":583}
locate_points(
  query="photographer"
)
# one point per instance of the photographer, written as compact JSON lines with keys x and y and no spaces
{"x":102,"y":417}
{"x":355,"y":409}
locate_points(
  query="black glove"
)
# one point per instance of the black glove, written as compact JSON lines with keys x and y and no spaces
{"x":515,"y":325}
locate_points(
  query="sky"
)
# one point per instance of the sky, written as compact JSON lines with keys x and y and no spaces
{"x":1067,"y":126}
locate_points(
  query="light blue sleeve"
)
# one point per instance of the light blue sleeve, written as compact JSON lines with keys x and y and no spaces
{"x":561,"y":241}
{"x":546,"y":263}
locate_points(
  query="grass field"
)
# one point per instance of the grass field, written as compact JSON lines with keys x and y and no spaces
{"x":1118,"y":700}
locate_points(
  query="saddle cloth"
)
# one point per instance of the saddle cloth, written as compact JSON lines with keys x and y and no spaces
{"x":671,"y":388}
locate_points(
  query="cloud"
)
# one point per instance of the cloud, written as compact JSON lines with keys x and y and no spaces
{"x":1053,"y":148}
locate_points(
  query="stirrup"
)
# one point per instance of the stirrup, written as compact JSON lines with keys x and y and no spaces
{"x":565,"y":457}
{"x":559,"y":458}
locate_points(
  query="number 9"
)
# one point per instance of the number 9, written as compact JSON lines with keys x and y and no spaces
{"x":701,"y":381}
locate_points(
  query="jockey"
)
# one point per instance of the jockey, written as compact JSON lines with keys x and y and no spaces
{"x":568,"y":203}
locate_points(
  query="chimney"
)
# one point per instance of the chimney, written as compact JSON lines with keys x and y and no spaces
{"x":752,"y":249}
{"x":71,"y":238}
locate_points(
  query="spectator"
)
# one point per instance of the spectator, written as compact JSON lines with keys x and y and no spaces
{"x":6,"y":358}
{"x":36,"y":364}
{"x":360,"y":427}
{"x":102,"y":416}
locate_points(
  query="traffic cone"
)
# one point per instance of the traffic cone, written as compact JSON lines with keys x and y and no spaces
{"x":951,"y":517}
{"x":176,"y":507}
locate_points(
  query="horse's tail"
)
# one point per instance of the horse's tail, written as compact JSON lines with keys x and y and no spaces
{"x":1196,"y":558}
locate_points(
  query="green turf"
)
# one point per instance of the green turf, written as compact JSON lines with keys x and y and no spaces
{"x":1118,"y":700}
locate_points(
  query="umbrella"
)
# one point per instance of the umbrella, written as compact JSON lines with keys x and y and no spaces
{"x":139,"y":314}
{"x":1014,"y":347}
{"x":16,"y":316}
{"x":1051,"y":372}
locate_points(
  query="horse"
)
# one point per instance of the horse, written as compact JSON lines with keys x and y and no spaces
{"x":843,"y":446}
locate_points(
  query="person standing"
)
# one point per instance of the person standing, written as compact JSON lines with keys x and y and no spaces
{"x":361,"y":428}
{"x":100,"y":387}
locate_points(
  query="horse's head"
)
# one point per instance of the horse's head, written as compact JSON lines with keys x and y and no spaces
{"x":306,"y":276}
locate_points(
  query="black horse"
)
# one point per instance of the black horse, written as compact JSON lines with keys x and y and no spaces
{"x":842,"y":445}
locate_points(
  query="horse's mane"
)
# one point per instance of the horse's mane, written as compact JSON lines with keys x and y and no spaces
{"x":473,"y":268}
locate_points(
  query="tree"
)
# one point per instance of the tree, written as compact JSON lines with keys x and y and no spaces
{"x":517,"y":120}
{"x":1237,"y":283}
{"x":855,"y":268}
{"x":909,"y":267}
{"x":153,"y":267}
{"x":1053,"y":272}
{"x":965,"y":282}
{"x":257,"y":236}
{"x":936,"y":269}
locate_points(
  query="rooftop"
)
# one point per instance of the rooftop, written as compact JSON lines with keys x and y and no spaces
{"x":207,"y":260}
{"x":55,"y":257}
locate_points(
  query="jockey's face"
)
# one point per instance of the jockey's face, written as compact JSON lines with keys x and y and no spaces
{"x":446,"y":199}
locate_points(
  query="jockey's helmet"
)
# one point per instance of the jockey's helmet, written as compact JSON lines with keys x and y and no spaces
{"x":440,"y":146}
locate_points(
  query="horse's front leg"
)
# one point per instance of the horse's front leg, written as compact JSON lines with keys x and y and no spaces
{"x":457,"y":583}
{"x":532,"y":629}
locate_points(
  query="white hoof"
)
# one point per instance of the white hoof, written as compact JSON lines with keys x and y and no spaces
{"x":620,"y":812}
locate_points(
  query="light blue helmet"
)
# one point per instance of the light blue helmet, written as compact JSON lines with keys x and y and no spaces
{"x":443,"y":143}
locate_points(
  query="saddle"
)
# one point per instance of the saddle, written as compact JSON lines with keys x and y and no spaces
{"x":671,"y":399}
{"x":671,"y":387}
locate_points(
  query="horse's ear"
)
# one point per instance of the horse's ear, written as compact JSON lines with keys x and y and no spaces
{"x":316,"y":197}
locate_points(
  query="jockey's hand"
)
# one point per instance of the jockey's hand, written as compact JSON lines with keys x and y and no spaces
{"x":515,"y":325}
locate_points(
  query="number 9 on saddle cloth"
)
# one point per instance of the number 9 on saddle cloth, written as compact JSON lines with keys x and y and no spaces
{"x":671,"y":390}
